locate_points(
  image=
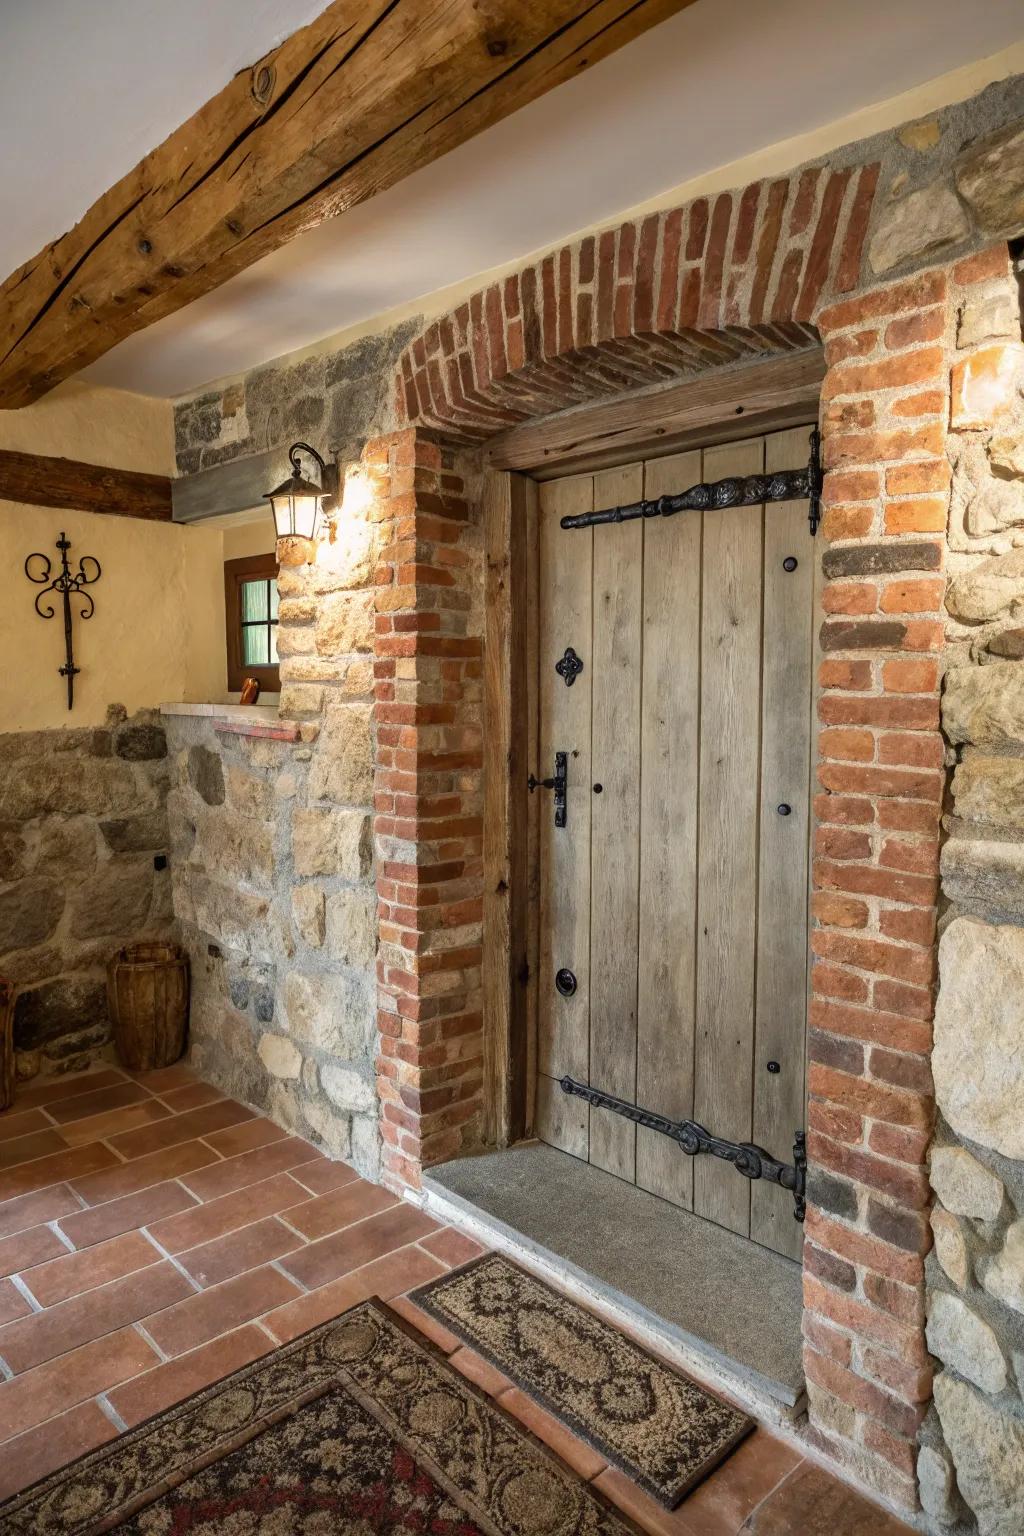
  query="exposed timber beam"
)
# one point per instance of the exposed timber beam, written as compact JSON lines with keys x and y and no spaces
{"x":369,"y":92}
{"x":38,"y":481}
{"x":717,"y":405}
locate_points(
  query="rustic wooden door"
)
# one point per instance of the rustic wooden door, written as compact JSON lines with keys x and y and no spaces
{"x":676,"y":893}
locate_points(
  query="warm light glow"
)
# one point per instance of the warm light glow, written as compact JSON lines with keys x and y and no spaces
{"x":356,"y":494}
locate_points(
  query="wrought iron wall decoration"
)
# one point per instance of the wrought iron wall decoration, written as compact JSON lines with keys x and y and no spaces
{"x":751,"y":1161}
{"x":570,"y":667}
{"x":67,"y":584}
{"x":715,"y":495}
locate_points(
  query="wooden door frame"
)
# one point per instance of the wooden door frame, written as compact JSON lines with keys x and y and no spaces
{"x":713,"y":406}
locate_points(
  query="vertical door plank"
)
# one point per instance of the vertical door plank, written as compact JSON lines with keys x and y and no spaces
{"x":565,"y":584}
{"x":533,"y":808}
{"x":615,"y":817}
{"x":781,"y":1008}
{"x":727,"y":838}
{"x":670,"y":735}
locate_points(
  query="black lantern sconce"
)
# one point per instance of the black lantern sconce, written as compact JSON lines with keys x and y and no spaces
{"x":297,"y":504}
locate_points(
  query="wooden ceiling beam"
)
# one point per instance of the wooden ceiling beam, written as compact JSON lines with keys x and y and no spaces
{"x":35,"y":480}
{"x":369,"y":92}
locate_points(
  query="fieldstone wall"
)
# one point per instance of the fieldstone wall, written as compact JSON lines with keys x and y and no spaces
{"x":82,"y":816}
{"x":971,"y":1462}
{"x":273,"y":890}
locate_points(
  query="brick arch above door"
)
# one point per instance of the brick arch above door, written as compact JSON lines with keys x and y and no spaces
{"x":736,"y":276}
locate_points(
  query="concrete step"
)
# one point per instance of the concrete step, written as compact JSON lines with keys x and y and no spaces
{"x":723,"y":1307}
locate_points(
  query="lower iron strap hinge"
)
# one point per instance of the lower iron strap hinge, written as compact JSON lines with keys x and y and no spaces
{"x":751,"y":1161}
{"x":559,"y":784}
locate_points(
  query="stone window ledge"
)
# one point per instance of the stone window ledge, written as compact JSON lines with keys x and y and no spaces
{"x":240,"y":719}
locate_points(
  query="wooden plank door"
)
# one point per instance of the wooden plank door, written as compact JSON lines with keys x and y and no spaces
{"x":677,"y":892}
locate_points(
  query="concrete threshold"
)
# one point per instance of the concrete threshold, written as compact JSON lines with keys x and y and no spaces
{"x":721,"y":1307}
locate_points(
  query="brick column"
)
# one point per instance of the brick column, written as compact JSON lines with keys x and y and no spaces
{"x":428,"y":804}
{"x":880,"y":789}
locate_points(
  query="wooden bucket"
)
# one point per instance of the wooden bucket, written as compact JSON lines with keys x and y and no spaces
{"x":6,"y":1044}
{"x":147,"y":991}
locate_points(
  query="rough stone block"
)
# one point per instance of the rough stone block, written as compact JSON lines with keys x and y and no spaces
{"x":280,"y":1056}
{"x":988,"y":1452}
{"x":985,"y":706}
{"x":29,"y":913}
{"x":141,"y":741}
{"x":951,"y":1247}
{"x":1004,"y":1276}
{"x":990,"y":790}
{"x":333,"y":1014}
{"x":988,"y":316}
{"x":236,"y":847}
{"x":136,"y":834}
{"x":936,"y":1485}
{"x":68,"y":784}
{"x":61,"y":1007}
{"x":988,"y":590}
{"x":352,"y":927}
{"x":978,"y":1062}
{"x":989,"y":176}
{"x":342,"y":768}
{"x":964,"y":1185}
{"x":986,"y":876}
{"x":965,"y":1342}
{"x":206,"y":774}
{"x":345,"y":623}
{"x":236,"y":918}
{"x":351,"y":1090}
{"x":922,"y":223}
{"x":114,"y":901}
{"x":250,"y":794}
{"x":332,"y":843}
{"x":309,"y":913}
{"x":330,"y":1127}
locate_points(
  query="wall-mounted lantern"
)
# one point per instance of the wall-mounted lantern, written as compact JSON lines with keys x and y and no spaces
{"x":297,"y":503}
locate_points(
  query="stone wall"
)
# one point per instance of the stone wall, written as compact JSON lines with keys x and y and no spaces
{"x":971,"y":1464}
{"x":82,"y":816}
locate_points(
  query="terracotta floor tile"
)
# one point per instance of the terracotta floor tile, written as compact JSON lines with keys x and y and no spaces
{"x":12,"y":1303}
{"x":323,"y":1176}
{"x":723,"y":1501}
{"x":73,"y":1273}
{"x":245,"y":1138}
{"x":44,"y":1335}
{"x":233,"y":1254}
{"x":205,"y":1315}
{"x":468,"y":1363}
{"x":816,"y":1504}
{"x":143,"y":1172}
{"x":580,"y":1456}
{"x":250,"y":1168}
{"x":190,"y":1096}
{"x":75,"y":1162}
{"x":178,"y":1076}
{"x":386,"y":1277}
{"x":452,"y":1247}
{"x":139,"y":1210}
{"x":168,"y":1384}
{"x":340,"y":1208}
{"x":651,"y":1517}
{"x":53,"y":1090}
{"x":354,"y":1246}
{"x":25,"y":1249}
{"x":203,"y":1223}
{"x":32,"y":1210}
{"x":51,"y":1445}
{"x":114,"y":1122}
{"x":101,"y":1102}
{"x":22,"y":1149}
{"x":213,"y":1117}
{"x":50,"y":1388}
{"x":14,"y":1123}
{"x":431,"y":1329}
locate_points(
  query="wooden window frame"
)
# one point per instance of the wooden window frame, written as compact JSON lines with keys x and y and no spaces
{"x":236,"y":572}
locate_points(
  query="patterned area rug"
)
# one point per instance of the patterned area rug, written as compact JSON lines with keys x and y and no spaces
{"x":664,"y":1431}
{"x":360,"y":1427}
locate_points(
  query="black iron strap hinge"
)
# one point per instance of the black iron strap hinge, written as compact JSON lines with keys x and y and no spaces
{"x":751,"y":1161}
{"x":559,"y":784}
{"x":716,"y":495}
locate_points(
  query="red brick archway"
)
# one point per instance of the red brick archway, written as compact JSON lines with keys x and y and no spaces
{"x":766,"y":270}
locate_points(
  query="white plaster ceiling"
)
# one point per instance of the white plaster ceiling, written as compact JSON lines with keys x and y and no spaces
{"x":91,"y":85}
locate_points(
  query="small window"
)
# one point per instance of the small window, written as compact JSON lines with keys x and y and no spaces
{"x":250,"y":600}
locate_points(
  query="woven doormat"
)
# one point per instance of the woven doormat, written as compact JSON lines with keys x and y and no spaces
{"x":659,"y":1428}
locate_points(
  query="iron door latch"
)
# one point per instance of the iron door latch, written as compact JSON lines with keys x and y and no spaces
{"x":559,"y":784}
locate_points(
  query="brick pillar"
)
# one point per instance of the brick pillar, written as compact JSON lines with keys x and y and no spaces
{"x":428,"y":804}
{"x":880,"y":789}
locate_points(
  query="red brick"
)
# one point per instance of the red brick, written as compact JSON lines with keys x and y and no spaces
{"x":846,"y":746}
{"x":894,"y":960}
{"x":888,"y":1029}
{"x":860,"y":1248}
{"x":913,"y":595}
{"x":850,"y":485}
{"x":920,"y":326}
{"x":913,"y":294}
{"x":850,"y":597}
{"x":887,"y":373}
{"x":897,"y":997}
{"x":874,"y":1100}
{"x":844,"y":810}
{"x":980,"y":268}
{"x":856,"y":676}
{"x":916,"y":479}
{"x":907,"y":1186}
{"x":910,"y":676}
{"x":922,"y":515}
{"x":839,"y":911}
{"x":847,"y":522}
{"x":832,"y":981}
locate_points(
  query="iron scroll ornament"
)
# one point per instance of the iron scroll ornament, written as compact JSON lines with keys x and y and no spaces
{"x":66,"y":584}
{"x":751,"y":1161}
{"x":715,"y":495}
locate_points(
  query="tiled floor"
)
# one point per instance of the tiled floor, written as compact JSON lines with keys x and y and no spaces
{"x":155,"y":1236}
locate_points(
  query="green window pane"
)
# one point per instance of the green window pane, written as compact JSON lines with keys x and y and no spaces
{"x":273,"y":643}
{"x":255,"y":601}
{"x":273,"y":599}
{"x":256,"y":646}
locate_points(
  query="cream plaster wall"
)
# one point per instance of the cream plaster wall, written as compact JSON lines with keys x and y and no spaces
{"x":158,"y":630}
